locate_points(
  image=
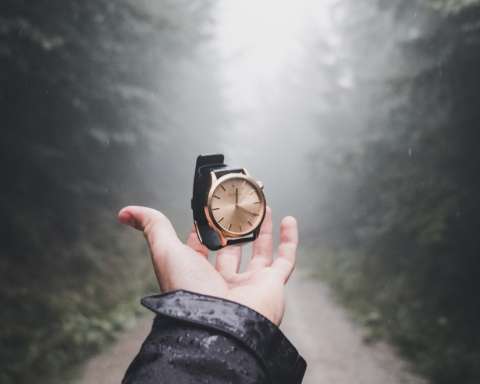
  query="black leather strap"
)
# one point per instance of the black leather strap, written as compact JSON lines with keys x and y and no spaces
{"x":201,"y":185}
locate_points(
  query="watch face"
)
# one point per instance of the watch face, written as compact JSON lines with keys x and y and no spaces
{"x":237,"y":205}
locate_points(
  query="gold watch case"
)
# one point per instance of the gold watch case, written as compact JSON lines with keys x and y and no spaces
{"x":250,"y":188}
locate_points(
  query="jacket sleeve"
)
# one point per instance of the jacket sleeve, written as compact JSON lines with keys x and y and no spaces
{"x":203,"y":339}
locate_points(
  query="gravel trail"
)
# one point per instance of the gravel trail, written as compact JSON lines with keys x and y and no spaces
{"x":321,"y":330}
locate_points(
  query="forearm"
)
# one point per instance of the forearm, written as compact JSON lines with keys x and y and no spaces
{"x":198,"y":338}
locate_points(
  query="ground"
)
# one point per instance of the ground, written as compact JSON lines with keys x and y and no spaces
{"x":320,"y":329}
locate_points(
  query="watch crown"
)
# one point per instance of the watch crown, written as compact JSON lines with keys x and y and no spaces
{"x":260,"y":184}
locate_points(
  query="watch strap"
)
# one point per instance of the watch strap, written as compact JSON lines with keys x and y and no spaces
{"x":201,"y":184}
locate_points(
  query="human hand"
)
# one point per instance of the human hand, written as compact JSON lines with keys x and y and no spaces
{"x":186,"y":266}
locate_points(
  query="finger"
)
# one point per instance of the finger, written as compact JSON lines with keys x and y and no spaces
{"x":228,"y":260}
{"x":194,"y":243}
{"x":156,"y":227}
{"x":262,"y":254}
{"x":284,"y":264}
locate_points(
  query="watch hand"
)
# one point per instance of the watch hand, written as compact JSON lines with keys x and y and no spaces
{"x":246,"y":210}
{"x":236,"y":197}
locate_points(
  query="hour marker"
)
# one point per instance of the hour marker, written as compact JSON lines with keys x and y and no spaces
{"x":229,"y":226}
{"x":214,"y":209}
{"x":253,"y":214}
{"x":217,"y":197}
{"x":256,"y":202}
{"x":240,"y":226}
{"x":220,"y":220}
{"x":249,"y":222}
{"x":223,"y":187}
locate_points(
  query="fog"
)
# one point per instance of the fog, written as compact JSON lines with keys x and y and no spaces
{"x":359,"y":116}
{"x":286,"y":93}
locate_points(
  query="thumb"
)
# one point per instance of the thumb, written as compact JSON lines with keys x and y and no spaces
{"x":155,"y":225}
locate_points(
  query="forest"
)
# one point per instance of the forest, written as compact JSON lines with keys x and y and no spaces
{"x":77,"y":111}
{"x":407,"y":257}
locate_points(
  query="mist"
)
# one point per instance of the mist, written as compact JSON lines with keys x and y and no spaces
{"x":359,"y":117}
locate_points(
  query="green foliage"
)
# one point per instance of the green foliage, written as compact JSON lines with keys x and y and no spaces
{"x":55,"y":320}
{"x":77,"y":101}
{"x":408,"y":259}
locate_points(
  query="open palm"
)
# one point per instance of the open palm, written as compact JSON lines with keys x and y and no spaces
{"x":186,"y":266}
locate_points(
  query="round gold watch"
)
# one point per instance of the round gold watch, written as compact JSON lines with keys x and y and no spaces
{"x":228,"y":204}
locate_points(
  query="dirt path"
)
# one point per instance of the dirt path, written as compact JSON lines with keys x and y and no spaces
{"x":109,"y":366}
{"x":332,"y":344}
{"x":317,"y":326}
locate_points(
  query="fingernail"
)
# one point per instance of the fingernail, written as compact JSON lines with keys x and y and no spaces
{"x":126,"y":218}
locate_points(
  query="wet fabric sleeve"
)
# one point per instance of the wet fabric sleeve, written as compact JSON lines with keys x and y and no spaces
{"x":203,"y":339}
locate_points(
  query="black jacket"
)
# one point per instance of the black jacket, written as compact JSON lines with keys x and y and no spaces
{"x":203,"y":339}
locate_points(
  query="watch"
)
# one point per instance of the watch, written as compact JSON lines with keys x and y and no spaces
{"x":228,"y":204}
